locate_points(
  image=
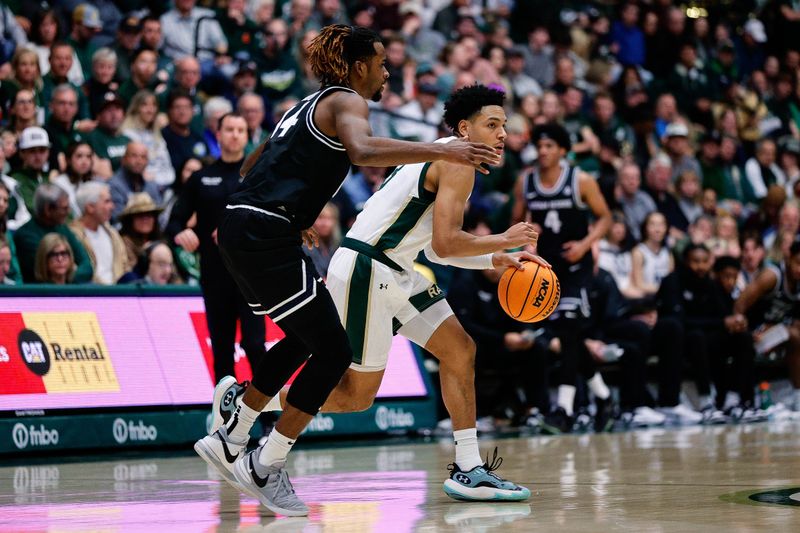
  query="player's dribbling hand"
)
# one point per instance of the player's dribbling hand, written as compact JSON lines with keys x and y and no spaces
{"x":310,"y":238}
{"x":472,"y":154}
{"x":517,"y":260}
{"x":520,"y":234}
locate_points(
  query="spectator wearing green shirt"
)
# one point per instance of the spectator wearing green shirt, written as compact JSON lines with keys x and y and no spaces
{"x":51,"y":207}
{"x":86,"y":24}
{"x":61,"y":60}
{"x":62,"y":126}
{"x":187,"y":76}
{"x":142,"y":75}
{"x":34,"y":151}
{"x":108,"y":143}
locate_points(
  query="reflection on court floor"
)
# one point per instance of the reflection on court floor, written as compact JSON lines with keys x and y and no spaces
{"x":650,"y":480}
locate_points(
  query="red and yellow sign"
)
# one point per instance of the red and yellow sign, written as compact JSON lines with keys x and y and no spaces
{"x":55,"y":352}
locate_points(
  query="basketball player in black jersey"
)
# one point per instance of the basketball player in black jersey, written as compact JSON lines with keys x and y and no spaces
{"x":286,"y":184}
{"x":772,"y":301}
{"x":558,"y":198}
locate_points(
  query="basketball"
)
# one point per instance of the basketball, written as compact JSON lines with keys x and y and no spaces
{"x":529,"y":295}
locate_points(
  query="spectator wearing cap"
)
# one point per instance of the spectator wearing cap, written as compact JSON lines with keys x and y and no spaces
{"x":187,"y":78}
{"x":142,"y":125}
{"x":422,"y":42}
{"x":139,"y":221}
{"x":86,"y":24}
{"x":34,"y":151}
{"x":129,"y":36}
{"x":103,"y":243}
{"x":724,"y":69}
{"x":521,"y":83}
{"x":762,"y":171}
{"x":102,"y":80}
{"x":213,"y":110}
{"x":750,"y":55}
{"x":62,"y":127}
{"x":182,"y":142}
{"x":108,"y":143}
{"x":676,"y":146}
{"x":62,"y":60}
{"x":421,"y":116}
{"x":144,"y":63}
{"x":238,"y":28}
{"x":627,"y":39}
{"x":251,"y":107}
{"x":279,"y":72}
{"x":186,"y":27}
{"x":51,"y":208}
{"x":130,"y":179}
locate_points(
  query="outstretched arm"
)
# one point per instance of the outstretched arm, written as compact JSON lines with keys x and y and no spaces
{"x":351,"y":114}
{"x":763,"y":284}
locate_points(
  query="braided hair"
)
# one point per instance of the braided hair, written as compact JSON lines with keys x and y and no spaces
{"x":337,"y":48}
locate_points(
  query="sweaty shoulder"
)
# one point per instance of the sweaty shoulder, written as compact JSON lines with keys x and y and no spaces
{"x":334,"y":104}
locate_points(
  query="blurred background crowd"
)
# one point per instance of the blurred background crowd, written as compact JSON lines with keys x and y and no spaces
{"x":688,"y":115}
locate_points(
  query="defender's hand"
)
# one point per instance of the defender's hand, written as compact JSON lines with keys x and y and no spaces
{"x":574,"y":251}
{"x":471,"y":154}
{"x":310,"y":238}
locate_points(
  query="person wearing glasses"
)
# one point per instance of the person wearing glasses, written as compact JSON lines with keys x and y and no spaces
{"x":54,"y":261}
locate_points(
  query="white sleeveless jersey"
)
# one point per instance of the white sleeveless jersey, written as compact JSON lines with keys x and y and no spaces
{"x":398,"y":218}
{"x":655,"y":267}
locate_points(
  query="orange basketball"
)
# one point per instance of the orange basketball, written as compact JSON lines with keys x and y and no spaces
{"x":529,"y":295}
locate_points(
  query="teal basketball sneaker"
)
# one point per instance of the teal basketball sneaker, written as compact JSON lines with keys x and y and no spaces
{"x":482,"y":484}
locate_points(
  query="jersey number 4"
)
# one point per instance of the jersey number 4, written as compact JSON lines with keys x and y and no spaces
{"x":552,"y":221}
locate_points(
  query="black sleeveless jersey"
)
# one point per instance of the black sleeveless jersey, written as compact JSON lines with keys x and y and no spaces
{"x":559,"y":211}
{"x":781,"y":306}
{"x":300,"y":168}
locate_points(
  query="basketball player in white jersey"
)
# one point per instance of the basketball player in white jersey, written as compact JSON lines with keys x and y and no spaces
{"x":420,"y":207}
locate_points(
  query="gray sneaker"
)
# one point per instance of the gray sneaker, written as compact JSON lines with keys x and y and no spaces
{"x":274,"y":490}
{"x":220,"y":452}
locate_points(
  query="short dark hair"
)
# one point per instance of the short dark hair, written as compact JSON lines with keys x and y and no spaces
{"x":177,"y":94}
{"x":554,"y":132}
{"x":693,"y":247}
{"x":234,"y":114}
{"x":139,"y":51}
{"x":726,"y":261}
{"x":466,"y":102}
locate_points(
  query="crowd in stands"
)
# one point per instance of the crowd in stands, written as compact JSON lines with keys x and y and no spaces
{"x":689,"y":119}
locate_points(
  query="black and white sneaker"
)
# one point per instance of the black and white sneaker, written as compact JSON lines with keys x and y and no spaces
{"x":273,"y":490}
{"x":227,"y":396}
{"x":220,"y":452}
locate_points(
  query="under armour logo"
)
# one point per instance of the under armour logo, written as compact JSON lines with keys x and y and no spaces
{"x":383,"y":286}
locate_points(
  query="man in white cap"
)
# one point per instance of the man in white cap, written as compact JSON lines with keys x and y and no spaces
{"x":751,"y":54}
{"x":34,"y":150}
{"x":676,"y":145}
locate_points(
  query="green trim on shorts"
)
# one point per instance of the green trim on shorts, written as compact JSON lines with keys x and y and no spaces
{"x":427,"y":298}
{"x":358,"y":297}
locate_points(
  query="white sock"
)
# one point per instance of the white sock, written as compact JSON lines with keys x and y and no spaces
{"x":732,"y":399}
{"x":275,"y":449}
{"x":467,"y":454}
{"x":705,"y":401}
{"x":599,"y":387}
{"x":274,"y":404}
{"x":796,"y":399}
{"x":241,"y":422}
{"x":566,"y":398}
